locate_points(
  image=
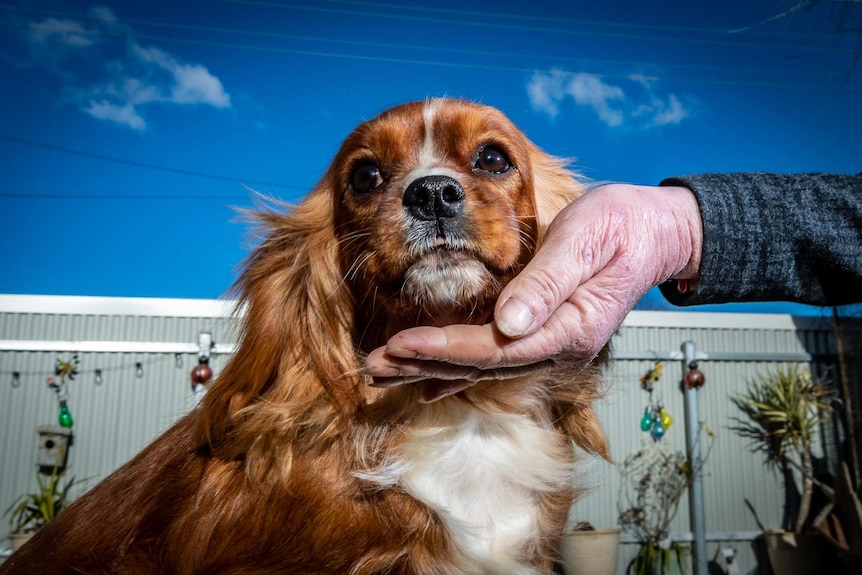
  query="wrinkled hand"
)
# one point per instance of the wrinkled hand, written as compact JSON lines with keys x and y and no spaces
{"x":601,"y":254}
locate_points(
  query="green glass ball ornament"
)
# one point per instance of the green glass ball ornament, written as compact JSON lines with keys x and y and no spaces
{"x":646,"y":420}
{"x":65,"y":417}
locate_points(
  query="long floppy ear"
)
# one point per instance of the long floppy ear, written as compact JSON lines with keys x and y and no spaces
{"x":295,"y":350}
{"x":554,"y":185}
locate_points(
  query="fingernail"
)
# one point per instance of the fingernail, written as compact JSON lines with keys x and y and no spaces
{"x":515,"y":317}
{"x":402,"y":352}
{"x":377,"y":371}
{"x":387,"y":383}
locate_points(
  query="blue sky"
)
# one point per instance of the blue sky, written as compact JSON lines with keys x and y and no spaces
{"x":130,"y":130}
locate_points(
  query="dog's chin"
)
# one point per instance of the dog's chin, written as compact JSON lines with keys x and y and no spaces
{"x":447,"y":282}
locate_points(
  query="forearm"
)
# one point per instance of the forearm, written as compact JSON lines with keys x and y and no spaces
{"x":776,"y":237}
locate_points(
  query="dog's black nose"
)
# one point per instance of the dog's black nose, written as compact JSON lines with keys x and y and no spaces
{"x":434,"y":197}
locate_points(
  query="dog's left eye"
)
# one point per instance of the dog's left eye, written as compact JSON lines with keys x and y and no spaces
{"x":492,"y":159}
{"x":365,"y":178}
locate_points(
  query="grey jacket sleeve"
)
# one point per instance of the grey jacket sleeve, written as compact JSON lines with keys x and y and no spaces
{"x":776,"y":237}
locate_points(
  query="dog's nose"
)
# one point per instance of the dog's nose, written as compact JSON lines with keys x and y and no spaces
{"x":434,"y":197}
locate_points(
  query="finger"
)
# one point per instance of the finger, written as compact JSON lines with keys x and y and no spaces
{"x":404,"y":371}
{"x":568,"y":257}
{"x":463,"y":345}
{"x":445,"y":352}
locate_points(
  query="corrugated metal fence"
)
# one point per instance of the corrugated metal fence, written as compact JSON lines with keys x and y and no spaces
{"x":145,"y":349}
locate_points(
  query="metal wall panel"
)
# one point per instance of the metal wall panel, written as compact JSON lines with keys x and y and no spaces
{"x":115,"y":419}
{"x":733,"y":474}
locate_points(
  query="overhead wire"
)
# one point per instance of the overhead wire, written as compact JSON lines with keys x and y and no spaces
{"x":439,"y":63}
{"x":485,"y":23}
{"x":137,"y":164}
{"x":564,"y":20}
{"x":438,"y":49}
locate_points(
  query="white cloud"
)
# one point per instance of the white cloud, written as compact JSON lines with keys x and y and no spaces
{"x":53,"y":33}
{"x":107,"y":16}
{"x":589,"y":90}
{"x":670,"y":112}
{"x":546,"y":92}
{"x":139,"y":77}
{"x":192,"y":84}
{"x":638,"y":105}
{"x":121,"y":114}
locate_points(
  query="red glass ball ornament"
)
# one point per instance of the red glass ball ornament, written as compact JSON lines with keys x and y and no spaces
{"x":201,"y":374}
{"x":694,"y":379}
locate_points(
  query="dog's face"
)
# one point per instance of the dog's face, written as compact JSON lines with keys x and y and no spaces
{"x":436,"y":210}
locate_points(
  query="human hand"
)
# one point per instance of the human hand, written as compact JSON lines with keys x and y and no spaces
{"x":601,"y":254}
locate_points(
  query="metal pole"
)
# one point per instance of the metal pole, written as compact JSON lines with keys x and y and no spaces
{"x":697,"y":516}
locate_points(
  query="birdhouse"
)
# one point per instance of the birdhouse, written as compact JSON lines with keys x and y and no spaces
{"x":54,"y":443}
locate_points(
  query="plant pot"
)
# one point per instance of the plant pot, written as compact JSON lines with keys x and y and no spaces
{"x":592,"y":552}
{"x":797,"y":554}
{"x":19,"y":539}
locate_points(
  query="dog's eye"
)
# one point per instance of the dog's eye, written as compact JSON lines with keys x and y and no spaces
{"x":492,"y":159}
{"x":365,"y":178}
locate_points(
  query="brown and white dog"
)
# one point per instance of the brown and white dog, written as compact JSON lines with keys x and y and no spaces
{"x":293,"y":463}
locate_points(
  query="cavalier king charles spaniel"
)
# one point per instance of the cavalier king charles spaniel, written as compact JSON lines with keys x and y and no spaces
{"x":294,"y":462}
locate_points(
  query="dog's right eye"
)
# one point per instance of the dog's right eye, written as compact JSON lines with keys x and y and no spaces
{"x":365,"y":178}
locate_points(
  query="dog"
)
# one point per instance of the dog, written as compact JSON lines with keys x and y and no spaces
{"x":294,"y":462}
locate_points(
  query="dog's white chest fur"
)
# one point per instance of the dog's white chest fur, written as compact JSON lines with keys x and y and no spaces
{"x":480,"y":472}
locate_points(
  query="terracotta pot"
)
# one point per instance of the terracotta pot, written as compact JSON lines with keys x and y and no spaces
{"x":19,"y":539}
{"x":792,"y":554}
{"x":593,"y":552}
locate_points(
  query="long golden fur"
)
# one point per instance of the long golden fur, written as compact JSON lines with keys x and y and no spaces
{"x":293,"y":463}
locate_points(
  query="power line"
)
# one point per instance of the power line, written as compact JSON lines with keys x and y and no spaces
{"x":437,"y":63}
{"x":148,"y":166}
{"x":484,"y":23}
{"x":699,"y":39}
{"x":578,"y":21}
{"x":367,"y":43}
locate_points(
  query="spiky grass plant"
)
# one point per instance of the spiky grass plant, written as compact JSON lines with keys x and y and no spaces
{"x":785,"y":408}
{"x":33,"y":510}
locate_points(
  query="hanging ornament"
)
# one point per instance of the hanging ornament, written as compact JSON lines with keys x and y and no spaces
{"x":694,"y":378}
{"x":201,"y":374}
{"x":665,"y":418}
{"x":651,"y":376}
{"x":67,"y":369}
{"x":64,"y":369}
{"x":65,"y":417}
{"x":646,"y":420}
{"x":658,"y":430}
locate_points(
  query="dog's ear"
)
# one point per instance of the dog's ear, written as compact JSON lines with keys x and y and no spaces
{"x":295,"y":347}
{"x":573,"y":414}
{"x":554,"y":186}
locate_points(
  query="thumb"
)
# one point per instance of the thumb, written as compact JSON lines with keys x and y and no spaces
{"x":567,"y":258}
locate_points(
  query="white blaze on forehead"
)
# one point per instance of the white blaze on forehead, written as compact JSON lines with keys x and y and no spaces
{"x":430,"y":162}
{"x":428,"y":154}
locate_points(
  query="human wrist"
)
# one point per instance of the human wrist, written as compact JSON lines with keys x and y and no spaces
{"x":689,"y":224}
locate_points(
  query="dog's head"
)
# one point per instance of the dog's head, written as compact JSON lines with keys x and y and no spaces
{"x":425,"y":213}
{"x":437,"y":206}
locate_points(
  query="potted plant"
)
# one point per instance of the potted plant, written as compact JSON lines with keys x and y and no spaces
{"x":586,"y":550}
{"x":654,"y":480}
{"x":784,"y":410}
{"x":33,"y":510}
